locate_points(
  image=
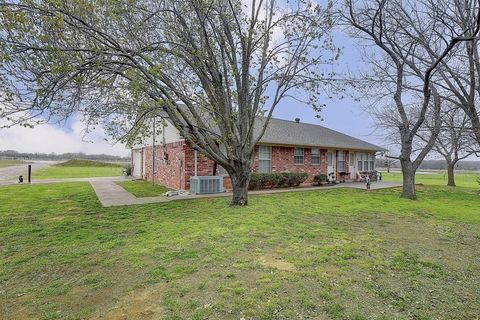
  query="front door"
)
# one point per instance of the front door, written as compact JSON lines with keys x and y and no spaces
{"x":331,"y":161}
{"x":352,"y":165}
{"x":137,"y":163}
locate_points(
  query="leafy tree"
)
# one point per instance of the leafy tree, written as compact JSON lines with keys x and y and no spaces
{"x":211,"y":67}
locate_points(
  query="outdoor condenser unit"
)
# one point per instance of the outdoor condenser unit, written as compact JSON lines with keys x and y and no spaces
{"x":206,"y":184}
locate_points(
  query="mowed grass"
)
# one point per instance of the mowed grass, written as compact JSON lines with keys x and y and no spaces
{"x":9,"y":163}
{"x":140,"y":188}
{"x":327,"y":254}
{"x":462,"y":178}
{"x":79,"y":169}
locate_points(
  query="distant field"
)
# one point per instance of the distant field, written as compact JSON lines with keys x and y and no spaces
{"x":80,"y":169}
{"x":9,"y":163}
{"x":462,"y":178}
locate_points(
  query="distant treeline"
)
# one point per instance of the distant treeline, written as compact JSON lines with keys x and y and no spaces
{"x":12,"y":154}
{"x":434,"y":164}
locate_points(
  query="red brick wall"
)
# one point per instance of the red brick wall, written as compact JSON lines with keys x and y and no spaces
{"x":282,"y":161}
{"x":169,"y":162}
{"x":204,"y":165}
{"x":175,"y":172}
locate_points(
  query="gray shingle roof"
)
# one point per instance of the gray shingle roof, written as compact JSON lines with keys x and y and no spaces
{"x":284,"y":132}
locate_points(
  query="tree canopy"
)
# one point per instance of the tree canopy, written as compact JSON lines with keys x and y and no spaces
{"x":212,"y":67}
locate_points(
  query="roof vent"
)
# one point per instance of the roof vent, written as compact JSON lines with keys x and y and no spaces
{"x":297,"y":120}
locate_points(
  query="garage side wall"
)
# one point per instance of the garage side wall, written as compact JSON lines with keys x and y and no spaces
{"x":169,"y":165}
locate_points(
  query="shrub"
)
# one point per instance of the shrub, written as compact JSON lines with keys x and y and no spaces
{"x":320,"y":178}
{"x":276,"y":180}
{"x":128,"y":170}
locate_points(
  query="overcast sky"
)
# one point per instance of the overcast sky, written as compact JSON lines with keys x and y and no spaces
{"x":49,"y":138}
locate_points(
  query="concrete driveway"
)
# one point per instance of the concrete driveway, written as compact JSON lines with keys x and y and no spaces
{"x":12,"y":173}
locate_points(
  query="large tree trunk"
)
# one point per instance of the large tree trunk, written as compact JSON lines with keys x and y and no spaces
{"x":240,"y":180}
{"x":451,"y":173}
{"x":408,"y":172}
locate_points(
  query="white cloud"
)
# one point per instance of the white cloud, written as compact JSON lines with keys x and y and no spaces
{"x":48,"y":138}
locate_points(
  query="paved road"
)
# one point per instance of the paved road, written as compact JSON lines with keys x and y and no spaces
{"x":12,"y":173}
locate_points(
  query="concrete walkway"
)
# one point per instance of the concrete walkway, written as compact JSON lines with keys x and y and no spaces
{"x":111,"y":194}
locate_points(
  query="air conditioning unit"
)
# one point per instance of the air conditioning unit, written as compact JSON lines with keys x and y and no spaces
{"x":206,"y":184}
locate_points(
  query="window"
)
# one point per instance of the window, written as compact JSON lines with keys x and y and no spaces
{"x":315,"y":156}
{"x":352,"y":159}
{"x":365,"y":161}
{"x":372,"y":161}
{"x":298,"y":156}
{"x":360,"y":161}
{"x":265,"y":159}
{"x":341,"y":161}
{"x":330,"y":158}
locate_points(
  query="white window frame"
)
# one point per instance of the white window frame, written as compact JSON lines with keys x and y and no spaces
{"x":330,"y":158}
{"x":360,"y":161}
{"x":366,"y":165}
{"x":341,"y":167}
{"x":316,"y":156}
{"x":297,"y":156}
{"x":265,"y":157}
{"x":351,"y":159}
{"x":372,"y":161}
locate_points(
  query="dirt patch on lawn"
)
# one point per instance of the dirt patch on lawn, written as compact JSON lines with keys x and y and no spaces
{"x":144,"y":303}
{"x":275,"y":262}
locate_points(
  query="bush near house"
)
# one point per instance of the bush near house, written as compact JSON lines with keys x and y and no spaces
{"x":127,"y":170}
{"x":276,"y":180}
{"x":320,"y":178}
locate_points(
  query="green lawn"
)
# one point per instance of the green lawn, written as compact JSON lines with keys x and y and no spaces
{"x":462,"y":179}
{"x":326,"y":254}
{"x":79,"y":169}
{"x":140,"y":188}
{"x":8,"y":163}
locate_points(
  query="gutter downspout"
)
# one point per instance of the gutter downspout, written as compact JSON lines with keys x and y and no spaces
{"x":195,"y":161}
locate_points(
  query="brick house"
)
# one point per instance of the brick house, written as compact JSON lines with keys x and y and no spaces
{"x":286,"y":146}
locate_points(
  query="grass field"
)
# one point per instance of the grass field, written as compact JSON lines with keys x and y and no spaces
{"x":79,"y":169}
{"x":141,"y":188}
{"x":327,"y":254}
{"x":9,"y":163}
{"x":462,"y":179}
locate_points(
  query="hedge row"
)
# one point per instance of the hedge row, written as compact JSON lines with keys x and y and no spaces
{"x":276,"y":180}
